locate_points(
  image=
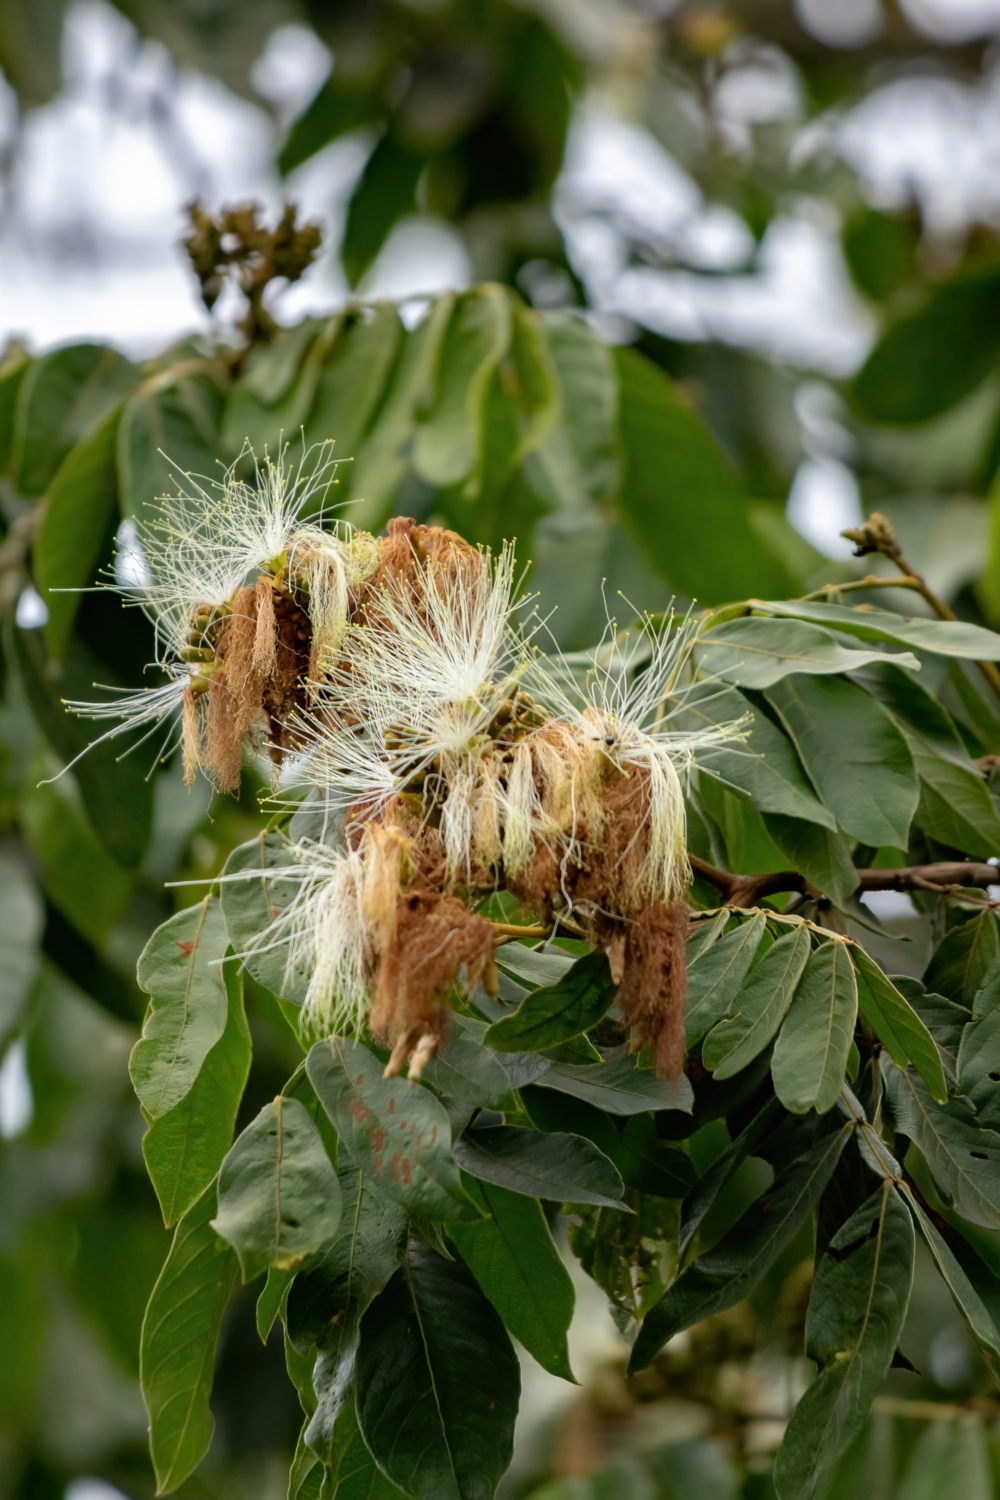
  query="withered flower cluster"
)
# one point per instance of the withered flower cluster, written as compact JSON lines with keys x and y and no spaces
{"x":388,"y":676}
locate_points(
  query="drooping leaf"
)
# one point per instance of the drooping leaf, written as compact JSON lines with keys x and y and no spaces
{"x":64,"y":395}
{"x":716,"y":977}
{"x":511,"y":1254}
{"x":577,"y":465}
{"x":555,"y":1013}
{"x":279,"y":1199}
{"x":179,"y":1335}
{"x":959,"y":965}
{"x":757,"y":652}
{"x":619,"y":1087}
{"x":679,"y":498}
{"x":438,"y":1382}
{"x":963,"y":1156}
{"x":386,"y":190}
{"x":181,"y":970}
{"x":759,"y":1007}
{"x":249,"y":906}
{"x":533,"y":967}
{"x":697,"y":1204}
{"x":967,"y":1299}
{"x":448,"y":448}
{"x":947,"y":1451}
{"x":465,"y":1068}
{"x":822,"y":856}
{"x":856,"y":1312}
{"x":562,"y":1167}
{"x":183,"y":1149}
{"x":942,"y":637}
{"x":856,"y":756}
{"x":351,"y":385}
{"x":399,"y":1135}
{"x":896,"y":1023}
{"x":176,"y":412}
{"x":978,"y":1062}
{"x":725,"y":1275}
{"x":327,"y":1300}
{"x":810,"y":1056}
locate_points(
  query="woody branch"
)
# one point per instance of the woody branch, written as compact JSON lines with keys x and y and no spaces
{"x":939,"y":879}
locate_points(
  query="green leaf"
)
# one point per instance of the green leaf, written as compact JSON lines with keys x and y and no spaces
{"x":179,"y":1335}
{"x":857,"y":758}
{"x":960,"y":964}
{"x":511,"y":1255}
{"x":955,"y":805}
{"x":341,"y":105}
{"x":397,"y":1133}
{"x":464,"y":1067}
{"x":438,"y":1382}
{"x":534,"y":967}
{"x":680,"y":500}
{"x":979,"y":1052}
{"x":358,"y":1476}
{"x":10,"y":388}
{"x":184,"y":1148}
{"x":249,"y":906}
{"x":730,"y":1270}
{"x":180,"y":969}
{"x":707,"y":1189}
{"x":856,"y":1312}
{"x":810,"y":1057}
{"x":329,"y":1298}
{"x":279,"y":1199}
{"x":555,"y":1013}
{"x":352,"y":385}
{"x":449,"y":442}
{"x":619,"y":1087}
{"x":967,"y":1299}
{"x":963,"y":1157}
{"x":765,"y":772}
{"x":269,"y":1302}
{"x":64,"y":395}
{"x":307,"y":1474}
{"x":385,"y":191}
{"x":80,"y":502}
{"x":950,"y":1453}
{"x":716,"y":977}
{"x":80,"y":877}
{"x":22,"y":920}
{"x":760,"y":1007}
{"x":932,"y":356}
{"x":577,"y":465}
{"x":941,"y":637}
{"x":176,"y":412}
{"x":565,"y":1168}
{"x":755,"y":652}
{"x":824,"y":858}
{"x":644,"y":1160}
{"x":896,"y":1023}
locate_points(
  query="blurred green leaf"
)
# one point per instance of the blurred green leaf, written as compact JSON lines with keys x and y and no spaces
{"x":438,"y":1382}
{"x":577,"y":463}
{"x":351,"y":387}
{"x":22,"y":919}
{"x":959,"y":965}
{"x":511,"y":1254}
{"x":179,"y":1336}
{"x":64,"y":396}
{"x":881,"y":251}
{"x":79,"y":875}
{"x":967,"y":1299}
{"x":822,"y":856}
{"x":175,"y":415}
{"x":756,"y":652}
{"x":336,"y":109}
{"x":449,"y":442}
{"x":856,"y":1311}
{"x":386,"y":190}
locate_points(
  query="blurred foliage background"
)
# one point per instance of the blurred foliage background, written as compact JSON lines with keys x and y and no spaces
{"x":602,"y":393}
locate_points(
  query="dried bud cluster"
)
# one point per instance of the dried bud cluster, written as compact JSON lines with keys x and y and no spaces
{"x":391,"y":673}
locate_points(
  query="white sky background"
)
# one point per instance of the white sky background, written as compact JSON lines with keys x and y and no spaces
{"x":91,"y":203}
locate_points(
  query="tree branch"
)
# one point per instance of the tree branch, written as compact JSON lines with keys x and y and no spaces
{"x":941,"y":879}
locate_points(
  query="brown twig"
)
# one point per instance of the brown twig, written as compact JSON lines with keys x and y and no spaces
{"x":877,"y":535}
{"x":949,"y":877}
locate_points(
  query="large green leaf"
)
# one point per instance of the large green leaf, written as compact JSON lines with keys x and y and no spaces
{"x":22,"y":919}
{"x":179,"y":1335}
{"x":555,"y":1013}
{"x":249,"y":906}
{"x":63,"y":396}
{"x":896,"y":1023}
{"x":716,"y":976}
{"x":856,"y":756}
{"x":934,"y":354}
{"x":184,"y":1148}
{"x":352,"y":385}
{"x":720,"y":1173}
{"x":759,"y":1008}
{"x":465,"y":1069}
{"x":562,"y":1167}
{"x":755,"y":652}
{"x":80,"y":877}
{"x":765,"y":771}
{"x":438,"y":1382}
{"x":279,"y":1199}
{"x":823,"y":857}
{"x":963,"y":1156}
{"x":619,"y":1087}
{"x":959,"y":965}
{"x":330,"y":1297}
{"x":979,"y":1052}
{"x":577,"y":464}
{"x":950,"y":1452}
{"x":810,"y":1056}
{"x":511,"y":1255}
{"x":448,"y":447}
{"x":180,"y":969}
{"x":680,"y":500}
{"x":81,"y":500}
{"x":397,"y":1133}
{"x":172,"y":419}
{"x":942,"y":637}
{"x":856,"y":1312}
{"x":967,"y":1299}
{"x":725,"y":1275}
{"x":385,"y":191}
